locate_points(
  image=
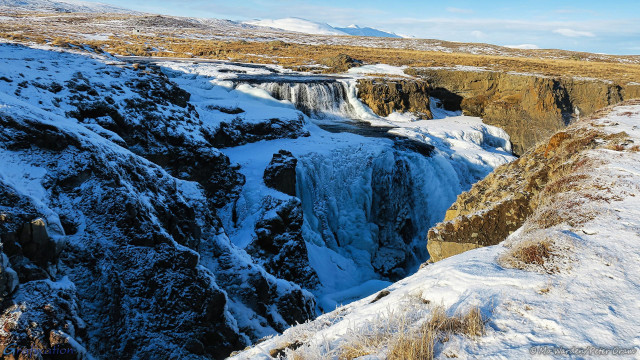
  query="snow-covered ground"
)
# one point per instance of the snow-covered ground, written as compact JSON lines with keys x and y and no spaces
{"x":588,"y":304}
{"x":62,"y":6}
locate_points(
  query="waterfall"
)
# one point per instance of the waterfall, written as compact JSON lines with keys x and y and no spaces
{"x":367,"y":211}
{"x":369,"y":195}
{"x":318,"y":99}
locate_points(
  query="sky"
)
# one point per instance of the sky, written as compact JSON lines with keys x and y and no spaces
{"x":611,"y":27}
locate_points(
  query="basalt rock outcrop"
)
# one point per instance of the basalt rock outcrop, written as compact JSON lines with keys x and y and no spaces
{"x":529,"y":107}
{"x":501,"y":203}
{"x":279,"y":244}
{"x":112,"y":243}
{"x":280,"y":174}
{"x":384,"y":96}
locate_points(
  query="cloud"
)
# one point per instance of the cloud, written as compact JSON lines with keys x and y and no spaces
{"x":523,"y":46}
{"x":459,"y":10}
{"x":478,"y":34}
{"x":573,"y":33}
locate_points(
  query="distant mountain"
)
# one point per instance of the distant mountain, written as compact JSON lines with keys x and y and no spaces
{"x":356,"y":30}
{"x":61,"y":6}
{"x":299,"y":25}
{"x":312,"y":27}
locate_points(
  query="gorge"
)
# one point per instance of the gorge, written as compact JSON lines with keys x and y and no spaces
{"x":192,"y":208}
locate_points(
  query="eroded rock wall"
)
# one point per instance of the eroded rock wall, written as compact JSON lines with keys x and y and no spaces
{"x":501,"y":203}
{"x":529,"y":107}
{"x":384,"y":96}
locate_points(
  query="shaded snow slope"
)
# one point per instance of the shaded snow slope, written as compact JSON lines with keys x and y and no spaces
{"x":120,"y":168}
{"x":356,"y":30}
{"x":583,"y":297}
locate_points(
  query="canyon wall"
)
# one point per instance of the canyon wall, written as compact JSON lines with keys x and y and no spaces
{"x":384,"y":96}
{"x":529,"y":107}
{"x":501,"y":203}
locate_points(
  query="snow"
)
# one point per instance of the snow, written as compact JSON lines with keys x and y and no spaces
{"x":211,"y":88}
{"x":298,"y":25}
{"x":63,"y":6}
{"x":379,"y":69}
{"x":591,"y":302}
{"x":523,"y":46}
{"x":335,"y":170}
{"x":311,"y":27}
{"x":341,"y":175}
{"x":356,"y":30}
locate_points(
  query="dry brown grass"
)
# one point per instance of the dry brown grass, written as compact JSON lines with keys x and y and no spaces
{"x":420,"y":345}
{"x":296,"y":55}
{"x":635,"y":148}
{"x":296,"y":52}
{"x":532,"y":253}
{"x":615,"y":147}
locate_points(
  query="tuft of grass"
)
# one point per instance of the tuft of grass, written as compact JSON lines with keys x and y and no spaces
{"x":635,"y":148}
{"x":535,"y":254}
{"x":530,"y":254}
{"x":420,"y":345}
{"x":616,"y":147}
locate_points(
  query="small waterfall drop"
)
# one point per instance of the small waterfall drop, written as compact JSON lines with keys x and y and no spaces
{"x":319,"y":99}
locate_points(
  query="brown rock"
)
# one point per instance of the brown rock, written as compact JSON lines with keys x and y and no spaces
{"x":502,"y":202}
{"x":529,"y":108}
{"x":384,"y":96}
{"x":340,"y":63}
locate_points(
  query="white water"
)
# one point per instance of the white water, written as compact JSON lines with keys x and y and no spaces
{"x":316,"y":99}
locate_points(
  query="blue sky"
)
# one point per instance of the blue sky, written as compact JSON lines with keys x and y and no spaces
{"x":596,"y":26}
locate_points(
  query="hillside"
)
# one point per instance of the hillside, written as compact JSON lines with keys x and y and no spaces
{"x":166,"y":36}
{"x":552,"y":286}
{"x":63,"y":6}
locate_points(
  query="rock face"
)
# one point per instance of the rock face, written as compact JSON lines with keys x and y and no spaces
{"x":280,"y":245}
{"x":280,"y":174}
{"x":530,"y":108}
{"x":112,"y":242}
{"x":385,"y":96}
{"x":501,"y":203}
{"x":237,"y":133}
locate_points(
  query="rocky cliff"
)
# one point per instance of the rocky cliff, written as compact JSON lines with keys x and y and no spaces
{"x":501,"y":203}
{"x":529,"y":107}
{"x":384,"y":96}
{"x":110,"y":196}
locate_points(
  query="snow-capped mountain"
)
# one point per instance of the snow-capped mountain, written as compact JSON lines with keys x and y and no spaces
{"x":317,"y":28}
{"x":62,"y":6}
{"x":298,"y":25}
{"x":356,"y":30}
